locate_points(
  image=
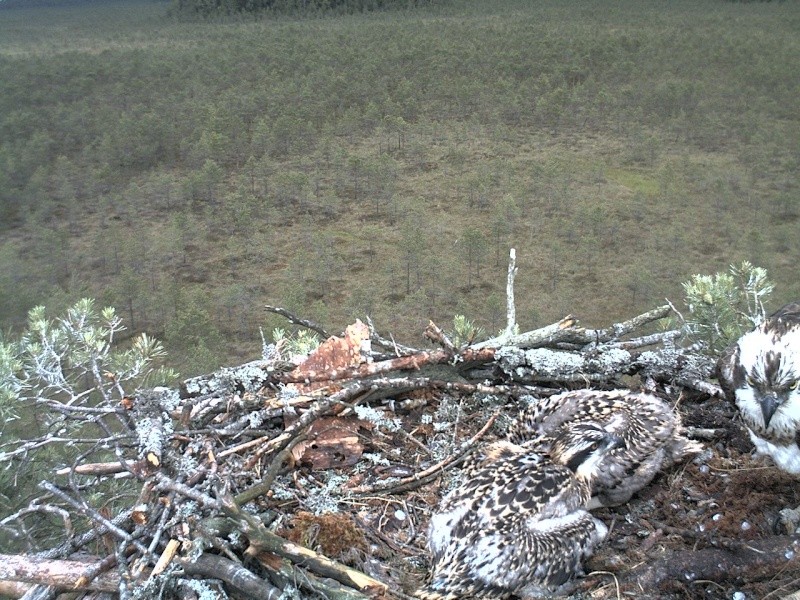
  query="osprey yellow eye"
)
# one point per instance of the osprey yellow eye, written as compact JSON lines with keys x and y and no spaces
{"x":795,"y":384}
{"x":749,"y":379}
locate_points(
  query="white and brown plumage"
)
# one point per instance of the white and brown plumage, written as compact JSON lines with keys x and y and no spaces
{"x":518,"y":524}
{"x":649,"y":427}
{"x":761,"y":374}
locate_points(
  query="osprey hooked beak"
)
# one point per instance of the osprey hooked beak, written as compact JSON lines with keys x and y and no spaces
{"x":769,"y":404}
{"x":614,"y":441}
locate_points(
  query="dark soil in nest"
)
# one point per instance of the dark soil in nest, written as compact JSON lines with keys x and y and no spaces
{"x":724,"y":504}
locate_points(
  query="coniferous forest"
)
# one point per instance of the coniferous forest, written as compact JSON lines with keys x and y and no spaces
{"x":168,"y":170}
{"x":189,"y":165}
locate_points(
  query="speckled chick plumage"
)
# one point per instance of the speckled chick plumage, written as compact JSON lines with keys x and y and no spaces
{"x":760,"y":373}
{"x":651,"y":430}
{"x":518,"y":524}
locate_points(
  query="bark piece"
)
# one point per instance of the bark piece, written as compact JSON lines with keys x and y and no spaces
{"x":333,"y":354}
{"x":332,"y":443}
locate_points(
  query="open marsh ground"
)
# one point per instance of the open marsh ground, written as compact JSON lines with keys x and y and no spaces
{"x":189,"y":172}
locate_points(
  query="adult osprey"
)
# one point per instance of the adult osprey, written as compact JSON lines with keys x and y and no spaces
{"x":761,"y":374}
{"x":518,"y":524}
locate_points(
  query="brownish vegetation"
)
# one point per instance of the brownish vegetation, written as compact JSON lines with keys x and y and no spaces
{"x":191,"y":172}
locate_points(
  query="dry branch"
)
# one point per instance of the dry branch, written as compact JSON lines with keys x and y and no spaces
{"x":602,"y":364}
{"x":316,"y":327}
{"x":511,"y":308}
{"x":99,"y":469}
{"x":567,"y":331}
{"x":94,"y":515}
{"x":435,"y":334}
{"x":263,"y":540}
{"x":396,"y":348}
{"x":217,"y":567}
{"x":549,"y":335}
{"x":327,"y":588}
{"x":64,"y":574}
{"x":412,"y":362}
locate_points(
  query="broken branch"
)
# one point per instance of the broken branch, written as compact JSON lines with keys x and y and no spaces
{"x":295,"y":320}
{"x":428,"y":474}
{"x":263,"y":540}
{"x":234,"y":574}
{"x":64,"y":574}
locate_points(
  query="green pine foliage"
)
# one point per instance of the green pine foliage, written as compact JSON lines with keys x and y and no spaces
{"x":54,"y":374}
{"x":465,"y":332}
{"x":76,"y":360}
{"x":723,"y":306}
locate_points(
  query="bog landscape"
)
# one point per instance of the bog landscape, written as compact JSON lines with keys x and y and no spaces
{"x":195,"y":195}
{"x":190,"y":171}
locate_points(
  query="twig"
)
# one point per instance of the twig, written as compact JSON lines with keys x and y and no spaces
{"x":89,"y":512}
{"x":704,"y":387}
{"x":165,"y":483}
{"x":124,"y":573}
{"x":269,"y":477}
{"x":792,"y":596}
{"x":93,"y":571}
{"x":613,"y":576}
{"x":423,"y":477}
{"x":244,"y":446}
{"x":262,"y":539}
{"x":298,"y":321}
{"x":35,"y":507}
{"x":162,"y":523}
{"x":326,"y":588}
{"x":435,"y":334}
{"x":645,"y":340}
{"x":398,"y":349}
{"x":702,"y":433}
{"x":72,"y":544}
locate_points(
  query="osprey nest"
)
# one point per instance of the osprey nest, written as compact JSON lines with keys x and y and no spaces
{"x":317,"y":476}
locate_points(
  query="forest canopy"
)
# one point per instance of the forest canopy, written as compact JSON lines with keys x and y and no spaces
{"x":188,"y":171}
{"x":217,"y":7}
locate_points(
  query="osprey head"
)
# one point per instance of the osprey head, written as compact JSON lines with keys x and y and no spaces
{"x":582,"y":446}
{"x":765,"y":376}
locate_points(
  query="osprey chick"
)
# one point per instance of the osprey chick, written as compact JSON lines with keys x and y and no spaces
{"x":649,"y":427}
{"x":518,"y":524}
{"x":761,"y":374}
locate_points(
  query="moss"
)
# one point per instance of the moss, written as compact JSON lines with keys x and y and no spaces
{"x":332,"y":534}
